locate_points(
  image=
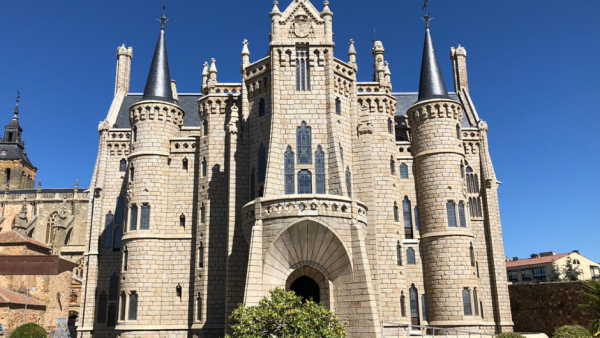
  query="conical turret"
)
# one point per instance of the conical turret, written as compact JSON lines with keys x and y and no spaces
{"x":432,"y":84}
{"x":158,"y":86}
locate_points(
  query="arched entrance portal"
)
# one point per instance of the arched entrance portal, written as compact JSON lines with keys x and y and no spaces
{"x":306,"y":288}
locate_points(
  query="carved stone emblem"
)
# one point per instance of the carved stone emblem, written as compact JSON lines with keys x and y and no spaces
{"x":301,"y":26}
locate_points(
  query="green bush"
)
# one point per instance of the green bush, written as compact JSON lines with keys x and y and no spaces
{"x":29,"y":330}
{"x":510,"y":335}
{"x":285,"y":315}
{"x":572,"y":331}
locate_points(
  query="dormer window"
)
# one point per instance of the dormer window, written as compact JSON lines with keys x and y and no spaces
{"x":3,"y":152}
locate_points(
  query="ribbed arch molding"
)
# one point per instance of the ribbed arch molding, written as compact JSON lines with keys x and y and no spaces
{"x":307,"y":244}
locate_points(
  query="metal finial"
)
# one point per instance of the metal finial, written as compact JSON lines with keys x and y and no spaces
{"x":18,"y":97}
{"x":425,"y":5}
{"x":16,"y":111}
{"x":427,"y":19}
{"x":163,"y":19}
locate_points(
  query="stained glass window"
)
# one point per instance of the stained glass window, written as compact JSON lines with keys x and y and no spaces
{"x":303,"y":140}
{"x":320,"y":170}
{"x":424,"y":306}
{"x":289,"y":171}
{"x":113,"y":291}
{"x":304,"y":182}
{"x":145,"y":219}
{"x":399,"y":253}
{"x":133,"y":304}
{"x":262,"y":164}
{"x":404,"y":171}
{"x":349,"y":181}
{"x":410,"y":256}
{"x":123,"y":165}
{"x":451,"y":210}
{"x":302,"y":70}
{"x":261,"y":108}
{"x":108,"y":231}
{"x":417,"y":219}
{"x":461,"y":215}
{"x":392,"y":166}
{"x":467,"y":302}
{"x":414,"y":302}
{"x":396,"y":212}
{"x":102,"y":304}
{"x":475,"y":302}
{"x":406,"y":211}
{"x":338,"y":106}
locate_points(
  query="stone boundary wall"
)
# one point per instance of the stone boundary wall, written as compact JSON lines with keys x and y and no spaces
{"x":545,"y":307}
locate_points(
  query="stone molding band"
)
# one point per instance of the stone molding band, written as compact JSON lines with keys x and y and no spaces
{"x":440,"y":151}
{"x":148,"y":152}
{"x":151,"y":236}
{"x":145,"y":327}
{"x":464,"y":233}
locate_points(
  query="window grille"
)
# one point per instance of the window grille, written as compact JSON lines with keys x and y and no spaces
{"x":108,"y":231}
{"x":145,"y":219}
{"x":289,"y":171}
{"x":133,"y":218}
{"x":461,"y":215}
{"x":304,"y":182}
{"x":133,"y":304}
{"x":102,"y":307}
{"x":468,"y":308}
{"x":410,"y":257}
{"x":302,"y":70}
{"x":320,"y":170}
{"x":451,"y":210}
{"x":404,"y":171}
{"x":303,"y":144}
{"x":262,"y":164}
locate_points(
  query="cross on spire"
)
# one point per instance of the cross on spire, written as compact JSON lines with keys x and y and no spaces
{"x":17,"y":106}
{"x":427,"y":19}
{"x":163,"y":19}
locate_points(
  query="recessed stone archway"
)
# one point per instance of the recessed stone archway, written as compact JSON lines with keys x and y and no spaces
{"x":299,"y":281}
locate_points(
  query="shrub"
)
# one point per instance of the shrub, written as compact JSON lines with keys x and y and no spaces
{"x":510,"y":335}
{"x":572,"y":331}
{"x":29,"y":330}
{"x":284,"y":315}
{"x":592,"y":293}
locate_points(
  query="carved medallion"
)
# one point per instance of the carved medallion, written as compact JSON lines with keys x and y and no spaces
{"x":301,"y":26}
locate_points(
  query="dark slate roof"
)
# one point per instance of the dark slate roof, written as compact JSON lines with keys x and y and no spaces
{"x":432,"y":84}
{"x":188,"y":102}
{"x":14,"y":123}
{"x":158,"y":86}
{"x":14,"y":152}
{"x":407,"y":100}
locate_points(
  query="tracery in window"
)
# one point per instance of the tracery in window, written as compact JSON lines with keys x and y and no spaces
{"x":302,"y":70}
{"x":320,"y":170}
{"x":303,"y":144}
{"x":289,"y":171}
{"x":304,"y":182}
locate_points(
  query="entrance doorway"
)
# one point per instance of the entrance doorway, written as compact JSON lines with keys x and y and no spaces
{"x":306,"y":288}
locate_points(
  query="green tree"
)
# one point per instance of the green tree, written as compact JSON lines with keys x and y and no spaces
{"x":571,"y":331}
{"x":29,"y":330}
{"x":285,"y":315}
{"x":554,"y":275}
{"x":571,"y":274}
{"x":510,"y":335}
{"x":593,"y":295}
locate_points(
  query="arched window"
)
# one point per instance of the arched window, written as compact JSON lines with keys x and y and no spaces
{"x":145,"y":219}
{"x":410,"y":256}
{"x":131,"y":174}
{"x":396,"y":212}
{"x":102,"y":308}
{"x":472,"y":255}
{"x":404,"y":171}
{"x":50,"y":228}
{"x":118,"y":237}
{"x":201,"y":256}
{"x":113,"y":291}
{"x":303,"y":144}
{"x":133,"y":218}
{"x":205,"y":128}
{"x":253,"y":184}
{"x":458,"y":131}
{"x":134,"y":134}
{"x":349,"y":181}
{"x":122,"y":306}
{"x":461,"y":215}
{"x":475,"y":302}
{"x":202,"y":213}
{"x":402,"y":304}
{"x":261,"y":107}
{"x":108,"y":231}
{"x":262,"y":164}
{"x":414,"y":303}
{"x":133,"y":304}
{"x":123,"y":165}
{"x":304,"y":182}
{"x":184,"y":164}
{"x":417,"y":219}
{"x":289,"y":171}
{"x":392,"y":166}
{"x":302,"y":70}
{"x":338,"y":106}
{"x":7,"y":176}
{"x":199,"y":308}
{"x":390,"y":125}
{"x":468,"y":308}
{"x":204,"y":167}
{"x":399,"y":253}
{"x":451,"y":210}
{"x":320,"y":170}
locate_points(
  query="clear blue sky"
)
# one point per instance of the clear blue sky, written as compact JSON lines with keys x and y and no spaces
{"x":534,"y":73}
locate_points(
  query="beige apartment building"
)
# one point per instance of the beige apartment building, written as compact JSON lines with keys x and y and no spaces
{"x":537,"y":268}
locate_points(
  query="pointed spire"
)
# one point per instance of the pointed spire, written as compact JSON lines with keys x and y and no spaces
{"x":213,"y":66}
{"x":351,"y":50}
{"x":326,"y":9}
{"x":275,"y":10}
{"x":16,"y":111}
{"x":158,"y":86}
{"x":432,"y":84}
{"x":245,"y":50}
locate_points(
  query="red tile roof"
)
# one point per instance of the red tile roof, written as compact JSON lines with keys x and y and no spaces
{"x":10,"y":297}
{"x":13,"y":237}
{"x":535,"y":261}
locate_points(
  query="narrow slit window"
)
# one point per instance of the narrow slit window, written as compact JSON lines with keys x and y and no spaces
{"x":390,"y":125}
{"x":472,"y":255}
{"x":399,"y":253}
{"x":133,"y":218}
{"x":461,"y":215}
{"x":133,"y":304}
{"x":468,"y":309}
{"x":184,"y":164}
{"x":134,"y":134}
{"x":125,"y":259}
{"x":302,"y":70}
{"x":451,"y":210}
{"x":261,"y":108}
{"x":132,"y":174}
{"x":199,"y":308}
{"x":123,"y":165}
{"x":349,"y":181}
{"x":396,"y":212}
{"x":407,"y":213}
{"x":145,"y":219}
{"x":202,"y":213}
{"x":402,"y":304}
{"x":338,"y":106}
{"x":108,"y":231}
{"x":205,"y":128}
{"x":123,"y":301}
{"x":424,"y":306}
{"x":320,"y":170}
{"x":475,"y":302}
{"x":417,"y":219}
{"x":392,"y":166}
{"x":201,"y":256}
{"x":204,"y":167}
{"x":182,"y":221}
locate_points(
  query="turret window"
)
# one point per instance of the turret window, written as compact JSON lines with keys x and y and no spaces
{"x":404,"y":171}
{"x":123,"y":302}
{"x":472,"y":255}
{"x":399,"y":253}
{"x":289,"y":171}
{"x":411,"y":258}
{"x":451,"y":210}
{"x":134,"y":134}
{"x":131,"y":174}
{"x":145,"y":219}
{"x":396,"y":212}
{"x":320,"y":170}
{"x":262,"y":164}
{"x":305,"y":182}
{"x":123,"y":165}
{"x":133,"y":218}
{"x":392,"y":166}
{"x":125,"y":259}
{"x":338,"y":106}
{"x":461,"y":215}
{"x":468,"y":308}
{"x":302,"y":70}
{"x":133,"y":305}
{"x":303,"y":140}
{"x":406,"y":211}
{"x":458,"y":131}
